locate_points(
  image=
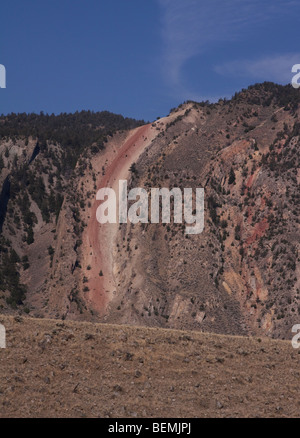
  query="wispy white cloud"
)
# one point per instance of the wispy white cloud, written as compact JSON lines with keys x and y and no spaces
{"x":193,"y":27}
{"x":271,"y":68}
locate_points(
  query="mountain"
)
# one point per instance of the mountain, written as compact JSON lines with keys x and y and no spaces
{"x":240,"y":276}
{"x":40,"y":157}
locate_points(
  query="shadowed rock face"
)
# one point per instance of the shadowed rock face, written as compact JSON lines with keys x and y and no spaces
{"x":240,"y":276}
{"x":4,"y":198}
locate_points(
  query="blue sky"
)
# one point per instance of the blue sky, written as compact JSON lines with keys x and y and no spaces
{"x":140,"y":58}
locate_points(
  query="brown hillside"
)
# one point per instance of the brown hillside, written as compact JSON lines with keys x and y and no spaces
{"x":240,"y":276}
{"x":73,"y":369}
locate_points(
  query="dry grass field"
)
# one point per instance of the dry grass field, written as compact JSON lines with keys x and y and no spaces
{"x":55,"y":368}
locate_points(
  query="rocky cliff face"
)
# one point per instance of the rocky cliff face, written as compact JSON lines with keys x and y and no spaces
{"x":42,"y":159}
{"x":240,"y":276}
